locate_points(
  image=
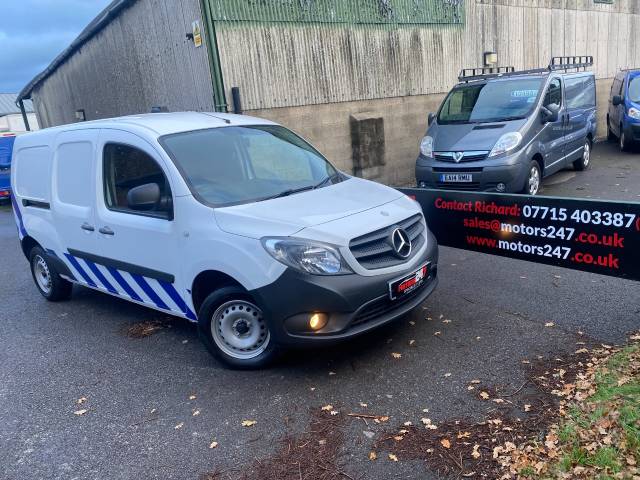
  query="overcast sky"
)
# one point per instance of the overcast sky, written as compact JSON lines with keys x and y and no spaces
{"x":34,"y":32}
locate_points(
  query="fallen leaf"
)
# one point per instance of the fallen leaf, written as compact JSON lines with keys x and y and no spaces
{"x":373,"y":456}
{"x":549,"y":324}
{"x":445,"y":443}
{"x":527,"y":408}
{"x":196,"y":413}
{"x":179,"y":426}
{"x":437,"y":333}
{"x":462,"y":435}
{"x":393,"y":457}
{"x":446,"y":321}
{"x":248,"y":423}
{"x":471,"y":387}
{"x":192,"y":396}
{"x":81,"y":400}
{"x":80,"y":412}
{"x":411,"y":342}
{"x":363,"y":405}
{"x":213,"y":445}
{"x":475,"y":453}
{"x":396,"y":355}
{"x":334,"y":413}
{"x":475,"y":382}
{"x":327,"y":408}
{"x":447,"y":374}
{"x":398,"y":438}
{"x":332,"y":373}
{"x":484,"y":395}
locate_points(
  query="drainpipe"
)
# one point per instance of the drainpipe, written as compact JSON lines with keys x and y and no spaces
{"x":20,"y":104}
{"x":219,"y":97}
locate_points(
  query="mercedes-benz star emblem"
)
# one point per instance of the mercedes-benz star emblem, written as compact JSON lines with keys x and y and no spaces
{"x":401,"y":243}
{"x":457,"y":156}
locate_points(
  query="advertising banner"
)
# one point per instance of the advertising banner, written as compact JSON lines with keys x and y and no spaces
{"x":591,"y":235}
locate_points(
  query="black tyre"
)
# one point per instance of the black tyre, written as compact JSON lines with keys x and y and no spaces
{"x":624,"y":142}
{"x":234,"y":331}
{"x":584,"y":162}
{"x":46,"y":277}
{"x":610,"y":135}
{"x":534,"y":179}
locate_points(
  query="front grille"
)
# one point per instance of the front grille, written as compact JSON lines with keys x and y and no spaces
{"x":458,"y":169}
{"x":385,"y":305}
{"x":466,"y":156}
{"x":374,"y":251}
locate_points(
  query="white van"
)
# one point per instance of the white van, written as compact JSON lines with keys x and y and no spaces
{"x":232,"y":222}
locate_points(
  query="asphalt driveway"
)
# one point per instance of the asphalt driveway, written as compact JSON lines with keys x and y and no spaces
{"x":154,"y":405}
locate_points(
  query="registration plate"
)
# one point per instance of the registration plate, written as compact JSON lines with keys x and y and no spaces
{"x":456,"y":177}
{"x":407,"y":284}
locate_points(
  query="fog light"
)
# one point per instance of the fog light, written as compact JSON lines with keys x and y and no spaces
{"x":318,"y":321}
{"x":501,"y":187}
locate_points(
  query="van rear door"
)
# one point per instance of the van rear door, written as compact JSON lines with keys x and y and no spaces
{"x":73,"y":199}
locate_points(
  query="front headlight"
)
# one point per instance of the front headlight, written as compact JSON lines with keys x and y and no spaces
{"x":634,"y":113}
{"x":426,"y":146}
{"x":306,"y":256}
{"x":507,"y":142}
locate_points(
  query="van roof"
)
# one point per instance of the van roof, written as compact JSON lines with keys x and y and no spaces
{"x":165,"y":123}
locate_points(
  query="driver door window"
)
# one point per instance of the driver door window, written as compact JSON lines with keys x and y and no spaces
{"x":554,"y":93}
{"x":127,"y":167}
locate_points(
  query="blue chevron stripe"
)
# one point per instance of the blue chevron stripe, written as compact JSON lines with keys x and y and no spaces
{"x":150,"y":292}
{"x":80,"y":270}
{"x":175,"y":296}
{"x":100,"y":277}
{"x":123,"y":283}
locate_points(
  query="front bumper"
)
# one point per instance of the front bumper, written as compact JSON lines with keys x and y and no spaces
{"x":632,"y":131}
{"x":354,"y":303}
{"x":486,"y":174}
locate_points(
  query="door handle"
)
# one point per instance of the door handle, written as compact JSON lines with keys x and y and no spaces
{"x":87,"y":227}
{"x":106,"y":231}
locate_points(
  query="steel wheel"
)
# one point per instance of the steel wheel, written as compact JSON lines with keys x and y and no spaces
{"x":239,"y":330}
{"x":42,"y":274}
{"x":533,"y":185}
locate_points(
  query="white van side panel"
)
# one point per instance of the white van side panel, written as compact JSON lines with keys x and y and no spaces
{"x":33,"y":173}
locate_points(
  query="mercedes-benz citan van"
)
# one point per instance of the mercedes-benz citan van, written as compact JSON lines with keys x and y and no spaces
{"x":229,"y":221}
{"x":505,"y":131}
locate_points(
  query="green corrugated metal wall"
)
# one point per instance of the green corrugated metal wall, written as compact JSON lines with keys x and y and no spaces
{"x":340,"y":11}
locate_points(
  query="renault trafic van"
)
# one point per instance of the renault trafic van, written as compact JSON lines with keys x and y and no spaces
{"x":229,"y":221}
{"x":505,"y":131}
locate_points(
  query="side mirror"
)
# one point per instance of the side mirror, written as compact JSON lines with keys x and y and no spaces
{"x":550,"y":113}
{"x":144,"y":198}
{"x":617,"y":100}
{"x":431,"y":118}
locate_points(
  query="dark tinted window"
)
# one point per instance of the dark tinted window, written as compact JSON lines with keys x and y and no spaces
{"x":554,"y":93}
{"x":126,"y":167}
{"x":634,"y":89}
{"x":232,"y":165}
{"x":580,"y":92}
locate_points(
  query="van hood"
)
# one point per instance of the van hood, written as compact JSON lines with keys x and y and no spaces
{"x":458,"y":137}
{"x":288,"y":215}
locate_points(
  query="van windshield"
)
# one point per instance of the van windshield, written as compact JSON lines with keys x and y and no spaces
{"x":490,"y":102}
{"x":233,"y":165}
{"x":634,"y":89}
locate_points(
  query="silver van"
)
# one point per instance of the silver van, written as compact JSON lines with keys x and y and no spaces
{"x":503,"y":131}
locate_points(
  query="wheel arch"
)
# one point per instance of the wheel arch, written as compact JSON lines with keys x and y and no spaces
{"x":27,"y":244}
{"x":538,"y":158}
{"x":207,"y":282}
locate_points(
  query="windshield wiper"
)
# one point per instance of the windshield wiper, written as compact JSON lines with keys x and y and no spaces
{"x":327,"y":180}
{"x":291,"y":191}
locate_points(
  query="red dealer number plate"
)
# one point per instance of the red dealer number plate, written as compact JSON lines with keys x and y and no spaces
{"x":407,"y":284}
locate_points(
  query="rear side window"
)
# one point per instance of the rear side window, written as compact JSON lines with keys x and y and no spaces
{"x":580,"y":92}
{"x":74,"y":178}
{"x":126,"y":167}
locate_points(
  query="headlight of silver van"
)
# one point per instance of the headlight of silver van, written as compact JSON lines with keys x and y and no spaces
{"x":426,"y":146}
{"x":306,"y":256}
{"x":506,"y":143}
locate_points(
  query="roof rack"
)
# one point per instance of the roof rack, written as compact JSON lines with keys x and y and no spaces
{"x":556,"y":64}
{"x":570,"y":63}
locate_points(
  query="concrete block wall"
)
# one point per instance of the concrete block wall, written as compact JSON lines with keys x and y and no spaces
{"x":405,"y":123}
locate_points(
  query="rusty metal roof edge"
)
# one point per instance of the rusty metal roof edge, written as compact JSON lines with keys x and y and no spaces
{"x":97,"y":24}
